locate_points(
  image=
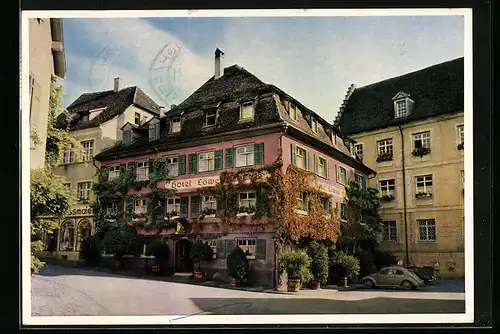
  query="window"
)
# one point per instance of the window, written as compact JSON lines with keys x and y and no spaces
{"x":360,"y":180}
{"x":88,"y":150}
{"x":321,"y":167}
{"x":385,"y":146}
{"x":248,"y":246}
{"x":154,"y":131}
{"x":140,"y":206}
{"x":175,"y":125}
{"x":127,"y":137}
{"x":427,"y":229}
{"x":83,"y":190}
{"x":423,"y":185}
{"x":401,"y":109}
{"x":358,"y":149}
{"x":68,"y":157}
{"x":342,"y":208}
{"x":142,"y":172}
{"x":246,"y":111}
{"x":206,"y":161}
{"x":137,"y":118}
{"x":292,"y":111}
{"x":388,"y":187}
{"x":326,"y":204}
{"x":114,"y":172}
{"x":210,"y":117}
{"x":173,"y":206}
{"x":300,"y":157}
{"x":341,"y":175}
{"x":314,"y":124}
{"x":247,"y":200}
{"x":213,"y":244}
{"x":460,"y":130}
{"x":422,"y":139}
{"x":172,"y":166}
{"x":389,"y":231}
{"x":302,"y":201}
{"x":244,"y":155}
{"x":209,"y":205}
{"x":111,"y":209}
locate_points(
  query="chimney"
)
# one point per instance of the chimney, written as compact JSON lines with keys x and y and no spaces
{"x":219,"y":63}
{"x":118,"y":84}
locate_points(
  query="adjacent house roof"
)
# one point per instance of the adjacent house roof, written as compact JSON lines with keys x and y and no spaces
{"x":436,"y":90}
{"x":115,"y":103}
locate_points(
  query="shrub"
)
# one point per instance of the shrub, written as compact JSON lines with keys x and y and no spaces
{"x":296,"y":265}
{"x":237,"y":264}
{"x":36,"y":264}
{"x":91,"y":250}
{"x":366,"y":264}
{"x":159,"y":250}
{"x":384,"y":259}
{"x":201,"y":252}
{"x":120,"y":241}
{"x":319,"y":261}
{"x":349,"y":263}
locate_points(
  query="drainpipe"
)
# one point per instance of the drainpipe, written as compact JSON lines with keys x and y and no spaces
{"x":407,"y":256}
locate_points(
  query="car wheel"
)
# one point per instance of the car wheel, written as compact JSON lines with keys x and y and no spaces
{"x":407,"y":285}
{"x":368,"y":284}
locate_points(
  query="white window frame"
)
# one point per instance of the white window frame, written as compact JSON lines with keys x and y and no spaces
{"x":341,"y":177}
{"x":209,"y":114}
{"x":248,"y":104}
{"x":314,"y":124}
{"x":424,"y":187}
{"x":359,"y":178}
{"x":387,"y":187}
{"x":140,"y":206}
{"x":460,"y":133}
{"x":358,"y":150}
{"x":427,"y":224}
{"x":114,"y":172}
{"x":302,"y":201}
{"x":342,"y":207}
{"x":68,"y":157}
{"x":142,"y":170}
{"x":112,"y":209}
{"x":175,"y":125}
{"x":137,"y":120}
{"x":202,"y":156}
{"x":248,"y":245}
{"x":390,"y":231}
{"x":247,"y":155}
{"x":424,"y":137}
{"x":210,"y":202}
{"x":300,"y":155}
{"x":173,"y":204}
{"x":88,"y":149}
{"x":385,"y":146}
{"x":401,"y":108}
{"x":172,"y":165}
{"x":84,"y":192}
{"x":321,"y":169}
{"x":248,"y":201}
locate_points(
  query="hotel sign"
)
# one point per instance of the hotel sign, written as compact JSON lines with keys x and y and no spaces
{"x":191,"y":184}
{"x":332,"y":190}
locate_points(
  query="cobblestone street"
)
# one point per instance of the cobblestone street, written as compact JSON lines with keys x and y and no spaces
{"x":59,"y":291}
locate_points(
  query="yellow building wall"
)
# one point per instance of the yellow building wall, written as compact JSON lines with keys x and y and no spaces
{"x":445,"y":163}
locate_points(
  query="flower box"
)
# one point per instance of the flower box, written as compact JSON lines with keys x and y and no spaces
{"x":421,"y":151}
{"x":386,"y":198}
{"x":384,"y":157}
{"x":420,"y":195}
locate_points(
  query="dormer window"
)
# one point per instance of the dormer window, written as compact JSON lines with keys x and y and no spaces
{"x":95,"y":112}
{"x":402,"y":105}
{"x":127,"y":137}
{"x":137,"y":118}
{"x":292,"y":111}
{"x":402,"y":110}
{"x":175,"y":125}
{"x":85,"y":118}
{"x":210,"y":117}
{"x":314,"y":124}
{"x":154,"y":131}
{"x":246,"y":111}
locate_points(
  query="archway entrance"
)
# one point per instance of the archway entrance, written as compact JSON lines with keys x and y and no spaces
{"x":183,"y":262}
{"x":51,"y":241}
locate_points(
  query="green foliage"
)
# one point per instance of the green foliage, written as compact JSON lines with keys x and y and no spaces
{"x":349,"y":263}
{"x":159,"y":249}
{"x":319,"y":261}
{"x":296,"y":264}
{"x":121,"y":240}
{"x":201,"y":252}
{"x":237,"y":264}
{"x":91,"y":250}
{"x":48,"y":195}
{"x":36,"y":264}
{"x":384,"y":259}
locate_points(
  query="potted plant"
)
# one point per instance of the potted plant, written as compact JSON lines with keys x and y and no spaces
{"x":386,"y":156}
{"x":199,"y":253}
{"x":319,"y":264}
{"x":160,"y":251}
{"x":420,"y":151}
{"x":386,"y":198}
{"x":297,"y":267}
{"x":237,"y":266}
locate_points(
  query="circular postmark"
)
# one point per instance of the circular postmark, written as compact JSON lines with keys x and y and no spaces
{"x":100,"y":73}
{"x":165,"y":73}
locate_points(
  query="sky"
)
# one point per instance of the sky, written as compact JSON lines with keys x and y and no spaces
{"x":313,"y":59}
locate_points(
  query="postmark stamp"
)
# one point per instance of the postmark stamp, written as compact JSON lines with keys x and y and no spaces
{"x":165,"y":73}
{"x":100,"y":69}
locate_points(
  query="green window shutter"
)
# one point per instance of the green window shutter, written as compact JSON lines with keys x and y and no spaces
{"x":157,"y":131}
{"x":229,"y":157}
{"x":316,"y":163}
{"x":218,"y":159}
{"x":308,"y":160}
{"x":103,"y":176}
{"x":363,"y":182}
{"x":151,"y":169}
{"x":182,"y":164}
{"x":258,"y":153}
{"x":120,"y":208}
{"x":220,"y":249}
{"x":261,"y":249}
{"x":195,"y":206}
{"x":327,"y":169}
{"x":192,"y":161}
{"x":184,"y":207}
{"x":294,"y":158}
{"x":337,"y":176}
{"x":123,"y":168}
{"x":129,"y":209}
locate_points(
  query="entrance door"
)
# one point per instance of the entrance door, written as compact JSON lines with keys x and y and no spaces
{"x":51,"y":242}
{"x":183,"y":262}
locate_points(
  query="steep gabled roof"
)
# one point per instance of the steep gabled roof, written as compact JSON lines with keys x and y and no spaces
{"x":436,"y":90}
{"x":115,"y":103}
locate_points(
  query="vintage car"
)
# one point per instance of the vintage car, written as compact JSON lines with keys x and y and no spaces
{"x":393,"y":277}
{"x":425,"y":273}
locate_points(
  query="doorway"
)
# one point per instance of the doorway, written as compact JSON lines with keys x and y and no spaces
{"x":183,"y":262}
{"x":51,"y":242}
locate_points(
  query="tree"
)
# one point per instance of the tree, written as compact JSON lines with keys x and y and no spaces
{"x":363,"y":223}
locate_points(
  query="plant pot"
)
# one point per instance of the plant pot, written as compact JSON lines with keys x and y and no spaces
{"x":198,"y":275}
{"x":235,"y":282}
{"x":156,"y":269}
{"x":345,"y":282}
{"x":293,"y":285}
{"x":314,"y":285}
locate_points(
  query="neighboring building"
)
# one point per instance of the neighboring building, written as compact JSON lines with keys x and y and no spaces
{"x":410,"y":129}
{"x":95,"y":121}
{"x":46,"y":61}
{"x":232,"y":122}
